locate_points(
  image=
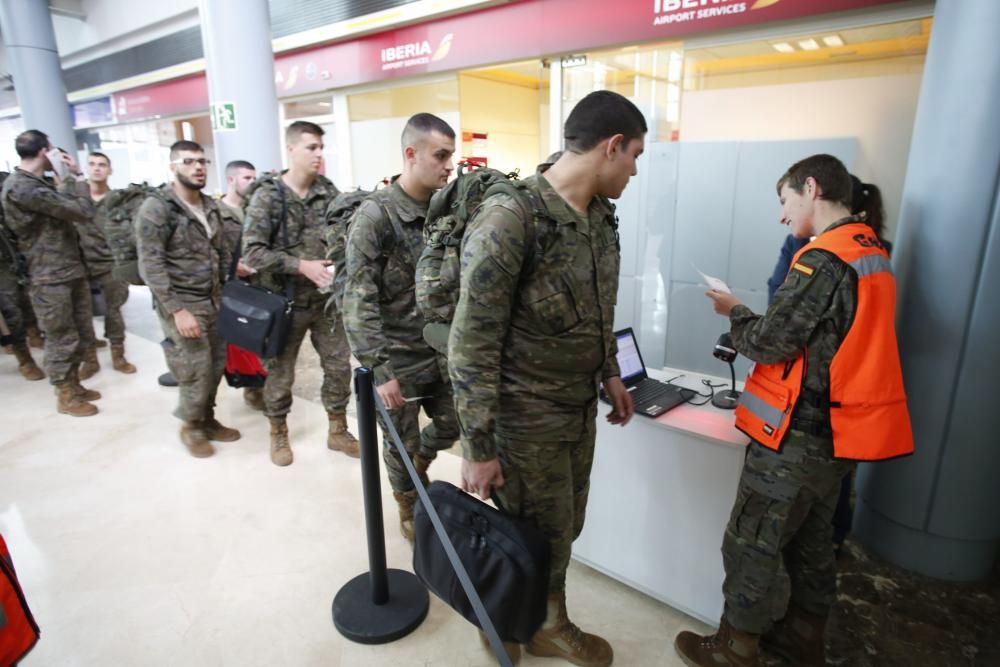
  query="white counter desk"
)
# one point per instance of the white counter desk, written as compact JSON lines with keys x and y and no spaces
{"x":661,"y":493}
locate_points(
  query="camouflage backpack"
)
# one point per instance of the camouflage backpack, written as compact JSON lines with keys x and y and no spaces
{"x":122,"y":206}
{"x":339,"y":214}
{"x":10,"y":254}
{"x":439,"y":266}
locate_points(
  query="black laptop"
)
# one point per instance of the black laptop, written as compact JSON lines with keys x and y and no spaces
{"x":650,"y":397}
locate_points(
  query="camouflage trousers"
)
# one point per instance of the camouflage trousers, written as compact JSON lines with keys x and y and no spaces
{"x":781,"y":522}
{"x":115,"y":295}
{"x":197,"y":363}
{"x":10,"y":307}
{"x":441,"y":433}
{"x":65,"y":316}
{"x":549,"y":483}
{"x":330,"y":342}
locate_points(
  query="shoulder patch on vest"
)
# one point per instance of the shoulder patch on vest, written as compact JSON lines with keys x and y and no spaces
{"x":803,"y":269}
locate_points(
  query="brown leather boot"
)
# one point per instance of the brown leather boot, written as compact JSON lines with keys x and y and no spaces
{"x":193,"y":437}
{"x":118,"y":360}
{"x":35,"y":338}
{"x":90,"y":364}
{"x":100,"y":344}
{"x":513,"y":649}
{"x":339,"y":438}
{"x":26,"y":365}
{"x":559,"y":637}
{"x":216,"y":431}
{"x":281,"y":449}
{"x":421,"y":463}
{"x":254,"y":397}
{"x":68,"y":403}
{"x":798,"y":638}
{"x":405,"y":501}
{"x":728,"y":647}
{"x":82,"y":392}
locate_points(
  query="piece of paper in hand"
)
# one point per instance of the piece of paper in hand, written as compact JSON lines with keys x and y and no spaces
{"x":712,"y":282}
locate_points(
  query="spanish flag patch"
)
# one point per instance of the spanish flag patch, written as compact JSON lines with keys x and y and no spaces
{"x":802,"y":268}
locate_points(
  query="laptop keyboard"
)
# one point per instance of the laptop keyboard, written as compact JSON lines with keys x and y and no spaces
{"x":646,"y":391}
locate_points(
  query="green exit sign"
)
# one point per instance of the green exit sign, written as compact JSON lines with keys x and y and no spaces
{"x":224,"y":116}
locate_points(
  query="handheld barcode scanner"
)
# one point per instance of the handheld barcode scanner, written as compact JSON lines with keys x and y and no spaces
{"x":724,"y":351}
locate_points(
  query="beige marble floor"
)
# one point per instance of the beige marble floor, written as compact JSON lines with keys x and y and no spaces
{"x":133,"y":553}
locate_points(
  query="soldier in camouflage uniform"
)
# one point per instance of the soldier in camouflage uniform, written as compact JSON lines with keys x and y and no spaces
{"x":182,"y":258}
{"x":13,"y":273}
{"x":301,"y":195}
{"x":786,"y":499}
{"x":532,"y":339}
{"x":240,"y":174}
{"x":97,"y":257}
{"x":45,"y":221}
{"x":384,"y":325}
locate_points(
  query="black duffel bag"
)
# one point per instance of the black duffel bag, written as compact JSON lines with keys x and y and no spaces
{"x":507,"y":559}
{"x":255,"y":318}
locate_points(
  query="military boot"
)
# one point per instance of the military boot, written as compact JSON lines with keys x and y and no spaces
{"x":8,"y":349}
{"x":69,"y":403}
{"x":559,"y":637}
{"x":35,"y":338}
{"x":254,"y":397}
{"x":118,"y":360}
{"x":406,"y":500}
{"x":26,"y":365}
{"x":421,"y":463}
{"x":73,"y":378}
{"x":513,"y":649}
{"x":798,"y":638}
{"x":281,"y":449}
{"x":101,"y":344}
{"x":339,"y":438}
{"x":216,"y":431}
{"x":194,"y":438}
{"x":728,"y":647}
{"x":90,"y":364}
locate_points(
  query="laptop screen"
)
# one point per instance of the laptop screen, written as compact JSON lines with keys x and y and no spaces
{"x":629,"y":359}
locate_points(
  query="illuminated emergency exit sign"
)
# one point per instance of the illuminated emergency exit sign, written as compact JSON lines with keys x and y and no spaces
{"x":224,"y":116}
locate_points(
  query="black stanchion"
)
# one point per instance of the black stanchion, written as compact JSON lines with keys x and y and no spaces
{"x":381,"y":605}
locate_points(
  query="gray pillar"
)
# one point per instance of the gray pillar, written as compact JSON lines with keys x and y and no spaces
{"x":34,"y":64}
{"x":938,"y":512}
{"x":240,"y":67}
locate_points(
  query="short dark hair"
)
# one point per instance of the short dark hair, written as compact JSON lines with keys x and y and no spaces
{"x":300,"y":127}
{"x":600,"y":115}
{"x":185,"y":145}
{"x":100,"y":155}
{"x":829,"y":173}
{"x":424,"y":123}
{"x":238,"y":164}
{"x":30,"y":143}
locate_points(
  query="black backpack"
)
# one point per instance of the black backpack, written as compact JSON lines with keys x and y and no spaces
{"x":122,"y":206}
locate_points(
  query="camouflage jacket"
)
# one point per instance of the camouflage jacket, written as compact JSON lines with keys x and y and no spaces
{"x":232,"y":226}
{"x":811,"y":313}
{"x":94,"y":244}
{"x":533,"y":330}
{"x":263,"y":245}
{"x":177,"y":259}
{"x":45,"y":222}
{"x":383,"y":324}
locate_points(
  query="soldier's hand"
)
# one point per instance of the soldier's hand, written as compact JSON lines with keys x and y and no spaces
{"x":391,"y":395}
{"x":481,"y":477}
{"x":244,"y":271}
{"x":621,"y":401}
{"x":71,"y":166}
{"x":187,"y":324}
{"x":315,"y":270}
{"x":722,"y":302}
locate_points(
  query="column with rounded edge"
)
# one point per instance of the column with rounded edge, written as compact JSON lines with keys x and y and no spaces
{"x":34,"y":63}
{"x":239,"y":63}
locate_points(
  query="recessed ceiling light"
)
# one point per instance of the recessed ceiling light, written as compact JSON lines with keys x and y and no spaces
{"x":783,"y":47}
{"x":809,"y":44}
{"x":833,"y":40}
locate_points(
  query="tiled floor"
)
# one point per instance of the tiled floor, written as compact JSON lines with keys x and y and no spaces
{"x":133,"y":553}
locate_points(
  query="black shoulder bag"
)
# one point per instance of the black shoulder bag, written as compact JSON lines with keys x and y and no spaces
{"x":255,"y":318}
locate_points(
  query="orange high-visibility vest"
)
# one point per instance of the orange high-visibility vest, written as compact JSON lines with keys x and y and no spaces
{"x":868,"y":413}
{"x":18,"y":631}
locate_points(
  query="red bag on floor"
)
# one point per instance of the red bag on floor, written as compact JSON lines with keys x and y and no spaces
{"x":243,"y":369}
{"x":18,"y":630}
